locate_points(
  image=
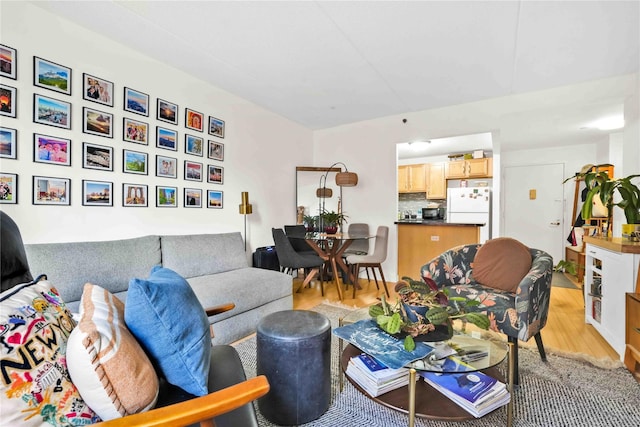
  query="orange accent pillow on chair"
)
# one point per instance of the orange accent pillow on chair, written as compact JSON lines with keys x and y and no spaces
{"x":501,"y":263}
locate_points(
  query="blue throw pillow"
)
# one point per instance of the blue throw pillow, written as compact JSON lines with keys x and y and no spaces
{"x":168,"y":321}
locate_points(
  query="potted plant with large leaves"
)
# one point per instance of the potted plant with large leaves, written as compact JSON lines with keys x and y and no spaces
{"x":424,"y":312}
{"x":331,"y":220}
{"x":599,"y":184}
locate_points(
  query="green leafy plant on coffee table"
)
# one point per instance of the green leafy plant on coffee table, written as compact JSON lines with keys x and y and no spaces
{"x":416,"y":297}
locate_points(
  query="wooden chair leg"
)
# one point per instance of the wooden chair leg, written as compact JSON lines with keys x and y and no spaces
{"x":384,"y":282}
{"x":516,"y":375}
{"x":355,"y":285}
{"x":538,"y":338}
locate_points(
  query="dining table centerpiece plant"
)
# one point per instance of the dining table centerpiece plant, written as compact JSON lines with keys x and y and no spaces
{"x":331,"y":220}
{"x":422,"y":309}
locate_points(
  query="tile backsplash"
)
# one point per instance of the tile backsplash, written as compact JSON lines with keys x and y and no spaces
{"x":414,"y":202}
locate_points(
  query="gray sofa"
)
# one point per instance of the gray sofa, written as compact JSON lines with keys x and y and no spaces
{"x":215,"y":265}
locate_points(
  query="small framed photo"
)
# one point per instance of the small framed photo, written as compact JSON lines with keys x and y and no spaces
{"x":166,"y":167}
{"x":193,"y":145}
{"x":8,"y":101}
{"x":51,"y":112}
{"x":166,"y":138}
{"x":214,"y":199}
{"x":194,"y":120}
{"x":52,"y":76}
{"x":96,"y":156}
{"x":8,"y":188}
{"x":216,"y":150}
{"x":51,"y":149}
{"x":192,"y":171}
{"x":96,"y":122}
{"x":135,"y":131}
{"x":135,"y":162}
{"x":51,"y":191}
{"x":8,"y":62}
{"x":97,"y":90}
{"x":97,"y":193}
{"x":215,"y":174}
{"x":166,"y":197}
{"x":8,"y":143}
{"x":136,"y":102}
{"x":216,"y":127}
{"x":167,"y":111}
{"x":192,"y":198}
{"x":134,"y":195}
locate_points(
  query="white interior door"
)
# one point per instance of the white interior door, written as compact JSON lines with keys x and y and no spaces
{"x":533,"y":207}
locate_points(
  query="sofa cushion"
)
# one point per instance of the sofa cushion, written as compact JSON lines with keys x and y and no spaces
{"x":202,"y":254}
{"x":36,"y":388}
{"x":168,"y":321}
{"x":107,"y":365}
{"x":501,"y":263}
{"x":94,"y":262}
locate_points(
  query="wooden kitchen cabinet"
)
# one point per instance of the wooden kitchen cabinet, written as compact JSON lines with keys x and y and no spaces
{"x":470,"y":168}
{"x":419,"y":244}
{"x":436,"y":182}
{"x":412,"y":178}
{"x":632,"y":351}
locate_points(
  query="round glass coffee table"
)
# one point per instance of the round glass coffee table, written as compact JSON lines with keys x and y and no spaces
{"x":420,"y":399}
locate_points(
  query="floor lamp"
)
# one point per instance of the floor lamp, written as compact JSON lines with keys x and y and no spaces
{"x":343,"y":179}
{"x":245,"y":208}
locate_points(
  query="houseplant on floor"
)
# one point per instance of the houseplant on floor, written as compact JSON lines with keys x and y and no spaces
{"x":424,"y":312}
{"x":600,"y":185}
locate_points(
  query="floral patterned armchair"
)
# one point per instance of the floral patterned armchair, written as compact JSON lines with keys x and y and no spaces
{"x":520,"y":315}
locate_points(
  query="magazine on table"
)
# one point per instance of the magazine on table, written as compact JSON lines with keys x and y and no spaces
{"x":475,"y":392}
{"x":375,"y":378}
{"x":387,"y":349}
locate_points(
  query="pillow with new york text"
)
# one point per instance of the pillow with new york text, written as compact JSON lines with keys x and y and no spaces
{"x":501,"y":263}
{"x":167,"y":319}
{"x":36,"y":388}
{"x":110,"y":369}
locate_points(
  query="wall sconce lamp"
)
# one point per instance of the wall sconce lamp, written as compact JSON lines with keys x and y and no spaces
{"x":245,"y":208}
{"x":343,"y":179}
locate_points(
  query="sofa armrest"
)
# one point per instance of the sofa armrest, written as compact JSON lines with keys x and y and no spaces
{"x":199,"y":408}
{"x":533,"y":294}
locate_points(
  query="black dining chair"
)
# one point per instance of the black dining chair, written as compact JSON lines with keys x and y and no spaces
{"x":290,"y":260}
{"x":296,"y":234}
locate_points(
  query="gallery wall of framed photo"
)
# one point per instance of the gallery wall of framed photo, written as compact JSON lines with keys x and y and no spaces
{"x":93,"y":132}
{"x":142,"y":149}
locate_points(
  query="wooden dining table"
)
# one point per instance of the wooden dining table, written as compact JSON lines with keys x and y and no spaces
{"x":331,"y":248}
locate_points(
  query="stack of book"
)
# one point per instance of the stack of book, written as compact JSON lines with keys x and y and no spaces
{"x":475,"y":392}
{"x":374,"y":377}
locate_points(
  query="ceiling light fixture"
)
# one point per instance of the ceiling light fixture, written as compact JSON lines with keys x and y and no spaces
{"x":608,"y":123}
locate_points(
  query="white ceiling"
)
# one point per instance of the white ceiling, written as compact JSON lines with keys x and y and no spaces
{"x":328,"y":63}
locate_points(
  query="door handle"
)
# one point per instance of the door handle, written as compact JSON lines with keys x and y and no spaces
{"x":557,"y":222}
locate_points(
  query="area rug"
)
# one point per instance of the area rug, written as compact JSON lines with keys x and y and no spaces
{"x":561,"y":392}
{"x":561,"y":281}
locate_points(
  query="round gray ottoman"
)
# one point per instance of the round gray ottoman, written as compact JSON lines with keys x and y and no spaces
{"x":294,"y":352}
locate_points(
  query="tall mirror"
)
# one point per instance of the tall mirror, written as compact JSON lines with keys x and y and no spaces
{"x":308,"y":180}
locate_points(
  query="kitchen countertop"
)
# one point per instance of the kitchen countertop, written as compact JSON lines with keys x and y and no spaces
{"x":434,"y":222}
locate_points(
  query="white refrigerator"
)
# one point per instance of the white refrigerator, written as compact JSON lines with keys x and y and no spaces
{"x":470,"y":205}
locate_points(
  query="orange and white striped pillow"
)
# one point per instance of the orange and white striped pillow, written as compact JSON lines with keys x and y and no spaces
{"x":111,"y":371}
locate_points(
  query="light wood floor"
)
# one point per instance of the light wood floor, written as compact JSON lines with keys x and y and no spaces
{"x":565,"y":329}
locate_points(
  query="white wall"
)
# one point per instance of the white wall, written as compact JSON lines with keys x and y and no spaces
{"x":369,"y":148}
{"x":261,"y":148}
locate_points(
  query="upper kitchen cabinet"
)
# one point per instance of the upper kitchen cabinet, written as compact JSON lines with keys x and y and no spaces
{"x":470,"y":168}
{"x":412,"y":178}
{"x":436,"y":182}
